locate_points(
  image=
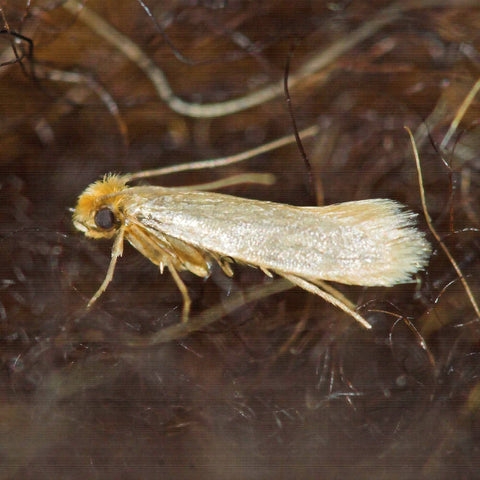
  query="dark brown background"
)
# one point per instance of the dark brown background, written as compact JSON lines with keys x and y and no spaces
{"x":235,"y":400}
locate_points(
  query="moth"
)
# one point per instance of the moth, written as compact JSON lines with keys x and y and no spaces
{"x":369,"y":242}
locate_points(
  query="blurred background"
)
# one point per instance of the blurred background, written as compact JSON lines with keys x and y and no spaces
{"x":284,"y":385}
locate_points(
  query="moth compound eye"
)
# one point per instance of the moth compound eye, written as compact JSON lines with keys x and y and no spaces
{"x":104,"y":219}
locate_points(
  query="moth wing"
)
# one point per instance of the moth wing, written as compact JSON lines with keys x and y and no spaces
{"x":371,"y":242}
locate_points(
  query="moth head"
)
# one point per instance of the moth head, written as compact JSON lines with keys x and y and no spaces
{"x":98,"y":211}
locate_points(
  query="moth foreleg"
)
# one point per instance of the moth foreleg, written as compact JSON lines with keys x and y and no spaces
{"x":310,"y":287}
{"x":117,"y":250}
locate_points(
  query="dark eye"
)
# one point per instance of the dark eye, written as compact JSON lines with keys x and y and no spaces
{"x":104,"y":219}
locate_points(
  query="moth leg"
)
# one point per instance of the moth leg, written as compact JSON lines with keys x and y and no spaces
{"x":336,"y":293}
{"x":183,"y":290}
{"x":310,"y":287}
{"x":117,"y":250}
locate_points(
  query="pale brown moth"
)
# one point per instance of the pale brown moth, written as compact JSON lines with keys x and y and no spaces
{"x":368,"y":242}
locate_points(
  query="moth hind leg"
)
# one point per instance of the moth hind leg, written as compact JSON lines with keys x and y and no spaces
{"x":338,"y":301}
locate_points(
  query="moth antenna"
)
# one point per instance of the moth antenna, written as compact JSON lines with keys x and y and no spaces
{"x":222,"y":161}
{"x":256,"y":178}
